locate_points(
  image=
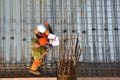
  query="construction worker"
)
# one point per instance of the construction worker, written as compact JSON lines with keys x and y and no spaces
{"x":38,"y":45}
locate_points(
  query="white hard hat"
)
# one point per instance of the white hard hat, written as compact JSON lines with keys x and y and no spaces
{"x":41,"y":28}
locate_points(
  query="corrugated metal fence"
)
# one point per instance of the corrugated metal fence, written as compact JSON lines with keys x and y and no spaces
{"x":97,"y":22}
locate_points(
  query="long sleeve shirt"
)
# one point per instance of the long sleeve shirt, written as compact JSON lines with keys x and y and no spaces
{"x":37,"y":52}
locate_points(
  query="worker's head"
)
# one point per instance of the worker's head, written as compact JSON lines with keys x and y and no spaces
{"x":41,"y":29}
{"x":42,"y":41}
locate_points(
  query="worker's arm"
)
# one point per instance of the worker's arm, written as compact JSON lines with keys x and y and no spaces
{"x":44,"y":54}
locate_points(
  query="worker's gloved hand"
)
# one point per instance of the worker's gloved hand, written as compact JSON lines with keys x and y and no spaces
{"x":53,"y":40}
{"x":36,"y":45}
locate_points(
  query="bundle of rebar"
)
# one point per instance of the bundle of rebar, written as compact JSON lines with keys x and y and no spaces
{"x":69,"y":54}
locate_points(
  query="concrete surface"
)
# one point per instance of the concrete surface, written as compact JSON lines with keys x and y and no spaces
{"x":54,"y":78}
{"x":99,"y":78}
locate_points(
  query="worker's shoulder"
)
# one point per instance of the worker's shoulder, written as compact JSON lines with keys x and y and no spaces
{"x":34,"y":40}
